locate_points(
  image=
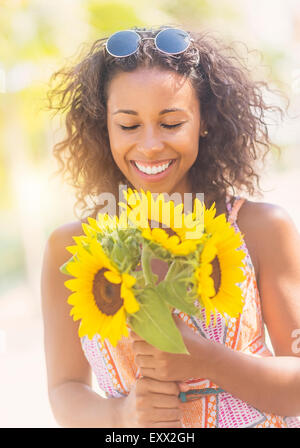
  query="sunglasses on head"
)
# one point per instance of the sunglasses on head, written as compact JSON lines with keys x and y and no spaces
{"x":168,"y":41}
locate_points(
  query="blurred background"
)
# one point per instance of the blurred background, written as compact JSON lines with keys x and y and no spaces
{"x":36,"y":38}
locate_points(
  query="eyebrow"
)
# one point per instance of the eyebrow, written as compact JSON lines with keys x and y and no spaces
{"x":133,"y":112}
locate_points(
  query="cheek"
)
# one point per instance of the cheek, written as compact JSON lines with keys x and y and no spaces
{"x":117,"y":147}
{"x":189,"y":160}
{"x":193,"y":147}
{"x":188,"y":151}
{"x":187,"y":143}
{"x":118,"y":157}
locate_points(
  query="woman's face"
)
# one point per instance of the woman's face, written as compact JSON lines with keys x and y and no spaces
{"x":153,"y":119}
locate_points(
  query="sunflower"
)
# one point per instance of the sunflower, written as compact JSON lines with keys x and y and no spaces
{"x":174,"y":237}
{"x":102,"y":296}
{"x":105,"y":223}
{"x":223,"y":244}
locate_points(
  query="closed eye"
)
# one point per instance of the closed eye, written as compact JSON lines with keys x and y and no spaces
{"x":168,"y":126}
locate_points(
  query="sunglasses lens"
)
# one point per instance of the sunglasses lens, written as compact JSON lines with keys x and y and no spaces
{"x":123,"y":43}
{"x":172,"y":41}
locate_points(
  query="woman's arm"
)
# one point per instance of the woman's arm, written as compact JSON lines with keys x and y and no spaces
{"x":76,"y":405}
{"x":72,"y":399}
{"x":279,"y":276}
{"x":269,"y":384}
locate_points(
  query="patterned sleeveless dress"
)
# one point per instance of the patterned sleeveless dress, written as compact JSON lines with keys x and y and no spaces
{"x":116,"y":371}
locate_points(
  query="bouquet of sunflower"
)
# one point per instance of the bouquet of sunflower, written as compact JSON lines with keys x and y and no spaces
{"x":114,"y":287}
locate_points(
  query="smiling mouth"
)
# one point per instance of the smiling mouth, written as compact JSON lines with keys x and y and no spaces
{"x":153,"y":168}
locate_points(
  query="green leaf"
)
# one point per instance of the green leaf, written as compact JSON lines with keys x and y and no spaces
{"x":140,"y":280}
{"x":155,"y":324}
{"x":175,"y":293}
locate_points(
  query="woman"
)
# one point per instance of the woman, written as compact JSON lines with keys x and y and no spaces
{"x":175,"y":114}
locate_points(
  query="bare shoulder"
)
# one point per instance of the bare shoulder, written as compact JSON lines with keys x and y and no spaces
{"x":265,"y":225}
{"x":64,"y":355}
{"x":62,"y":236}
{"x":261,"y":223}
{"x":275,"y":241}
{"x":264,"y":217}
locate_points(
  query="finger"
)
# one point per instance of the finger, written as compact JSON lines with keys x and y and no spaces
{"x":165,"y":401}
{"x":183,"y":387}
{"x":176,"y":318}
{"x":149,"y":373}
{"x":160,"y":387}
{"x":174,"y":424}
{"x":179,"y":322}
{"x":167,"y":415}
{"x":142,"y":348}
{"x":146,"y":361}
{"x":135,"y":336}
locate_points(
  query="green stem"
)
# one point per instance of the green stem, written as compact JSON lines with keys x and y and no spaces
{"x":171,"y":271}
{"x":146,"y":265}
{"x":175,"y":269}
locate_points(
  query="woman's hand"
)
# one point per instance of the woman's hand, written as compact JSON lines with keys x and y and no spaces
{"x":152,"y":404}
{"x":164,"y":366}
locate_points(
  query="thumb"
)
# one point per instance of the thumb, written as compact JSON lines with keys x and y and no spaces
{"x":176,"y":318}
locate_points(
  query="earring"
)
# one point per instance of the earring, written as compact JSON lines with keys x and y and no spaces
{"x":205,"y":133}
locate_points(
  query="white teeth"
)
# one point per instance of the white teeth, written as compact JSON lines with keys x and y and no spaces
{"x":153,"y":170}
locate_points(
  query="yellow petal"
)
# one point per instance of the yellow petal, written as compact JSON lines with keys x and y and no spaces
{"x":112,"y":277}
{"x":130,"y":303}
{"x":128,"y":280}
{"x":72,"y":249}
{"x":88,"y":230}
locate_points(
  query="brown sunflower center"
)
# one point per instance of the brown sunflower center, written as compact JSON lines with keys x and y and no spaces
{"x":155,"y":224}
{"x":107,"y":295}
{"x":216,"y":273}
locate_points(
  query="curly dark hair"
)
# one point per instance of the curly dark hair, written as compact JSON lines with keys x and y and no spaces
{"x":231,"y":102}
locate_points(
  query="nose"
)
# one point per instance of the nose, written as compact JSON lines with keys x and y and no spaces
{"x":150,"y":143}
